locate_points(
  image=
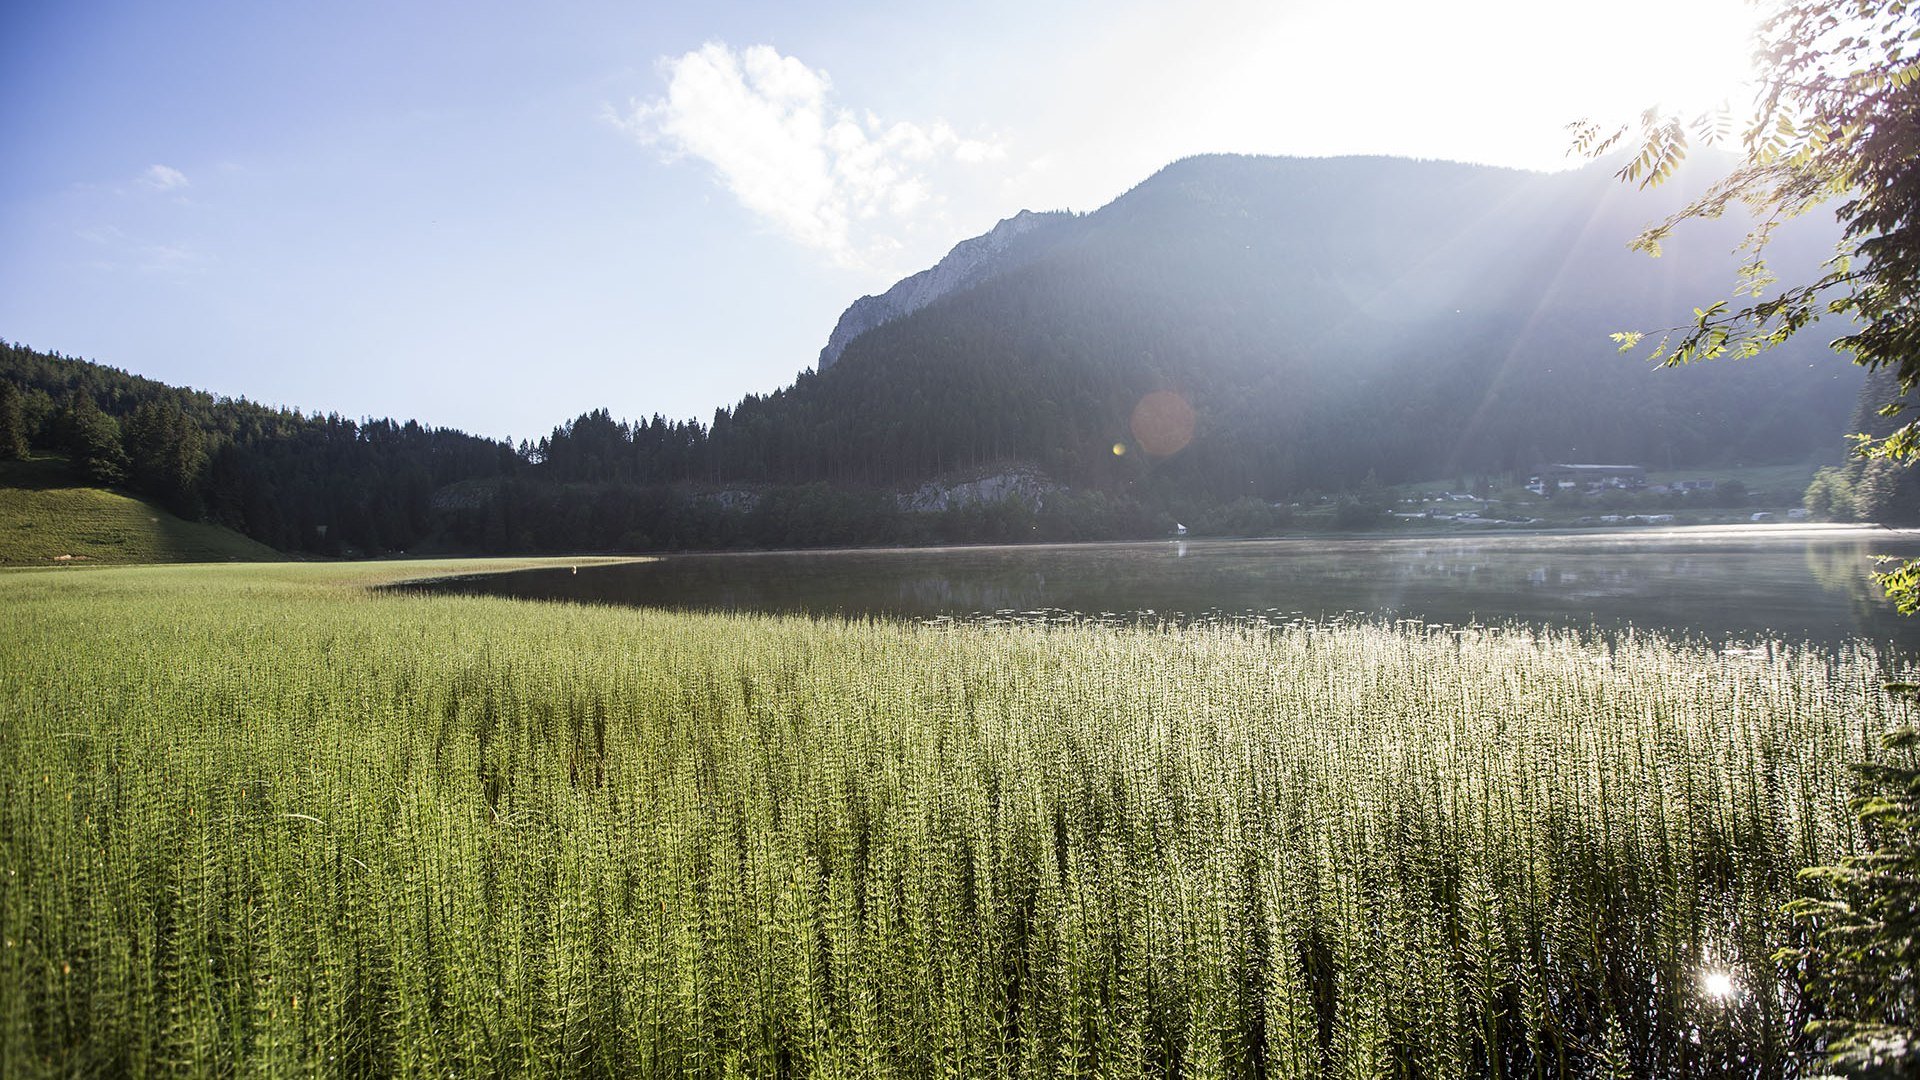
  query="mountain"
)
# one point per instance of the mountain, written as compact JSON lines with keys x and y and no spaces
{"x":1324,"y":319}
{"x":1009,"y":244}
{"x":1231,"y":333}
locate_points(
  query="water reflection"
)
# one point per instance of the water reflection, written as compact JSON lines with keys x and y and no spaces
{"x":1801,"y":582}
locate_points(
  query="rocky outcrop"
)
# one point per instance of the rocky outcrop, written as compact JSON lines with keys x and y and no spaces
{"x":739,"y":499}
{"x":1010,"y":243}
{"x":464,"y":495}
{"x":1017,"y":482}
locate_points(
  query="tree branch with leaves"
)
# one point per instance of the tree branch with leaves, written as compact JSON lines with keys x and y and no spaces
{"x":1835,"y":120}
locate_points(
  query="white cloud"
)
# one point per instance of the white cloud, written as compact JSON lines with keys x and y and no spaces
{"x":163,"y":178}
{"x":118,"y":251}
{"x":824,"y":176}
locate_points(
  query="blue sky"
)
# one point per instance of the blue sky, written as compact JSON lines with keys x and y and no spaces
{"x":495,"y":216}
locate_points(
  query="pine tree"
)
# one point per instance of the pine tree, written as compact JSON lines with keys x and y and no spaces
{"x":13,"y":423}
{"x":93,"y":440}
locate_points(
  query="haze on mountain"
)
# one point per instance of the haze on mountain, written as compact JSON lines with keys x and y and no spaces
{"x":1325,"y":319}
{"x":348,"y":208}
{"x":1232,"y":328}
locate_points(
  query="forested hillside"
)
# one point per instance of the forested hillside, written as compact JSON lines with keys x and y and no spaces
{"x":1314,"y":326}
{"x":321,"y":484}
{"x":1326,"y":319}
{"x":1877,"y":489}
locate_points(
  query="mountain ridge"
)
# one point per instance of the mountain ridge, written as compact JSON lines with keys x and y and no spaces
{"x":1326,"y":318}
{"x":966,"y":262}
{"x":1308,"y":328}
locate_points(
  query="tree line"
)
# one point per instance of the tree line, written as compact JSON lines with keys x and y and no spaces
{"x":328,"y":485}
{"x":1877,"y":488}
{"x":319,"y":484}
{"x":1325,"y":322}
{"x":816,"y":464}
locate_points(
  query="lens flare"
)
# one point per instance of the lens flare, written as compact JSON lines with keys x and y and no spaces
{"x":1163,"y":423}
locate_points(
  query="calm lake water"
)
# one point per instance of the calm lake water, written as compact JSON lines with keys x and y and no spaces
{"x":1723,"y":582}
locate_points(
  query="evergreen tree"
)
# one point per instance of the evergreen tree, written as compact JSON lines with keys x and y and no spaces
{"x":13,"y":422}
{"x":93,"y":441}
{"x":1888,"y":492}
{"x":166,"y":453}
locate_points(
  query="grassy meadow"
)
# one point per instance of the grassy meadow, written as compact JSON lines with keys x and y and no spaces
{"x":259,"y":820}
{"x":45,"y":519}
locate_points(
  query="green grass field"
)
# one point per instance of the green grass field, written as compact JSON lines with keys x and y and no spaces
{"x":256,"y":820}
{"x":45,"y":519}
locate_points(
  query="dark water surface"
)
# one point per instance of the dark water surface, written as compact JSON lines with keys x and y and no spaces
{"x":1798,"y":582}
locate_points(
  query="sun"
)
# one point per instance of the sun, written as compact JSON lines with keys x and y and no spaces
{"x":1685,"y":58}
{"x":1489,"y":81}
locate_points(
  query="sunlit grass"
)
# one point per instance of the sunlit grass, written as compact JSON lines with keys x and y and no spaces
{"x":258,"y":820}
{"x":43,"y":520}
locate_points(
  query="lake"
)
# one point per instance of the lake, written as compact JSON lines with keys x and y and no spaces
{"x":1810,"y":582}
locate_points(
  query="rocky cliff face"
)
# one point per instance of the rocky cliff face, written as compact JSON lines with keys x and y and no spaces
{"x":1007,"y":244}
{"x":1017,"y":482}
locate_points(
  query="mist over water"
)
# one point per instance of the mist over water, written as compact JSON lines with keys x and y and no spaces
{"x":1722,"y":583}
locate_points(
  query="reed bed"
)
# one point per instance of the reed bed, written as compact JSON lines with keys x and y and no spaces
{"x":256,"y":820}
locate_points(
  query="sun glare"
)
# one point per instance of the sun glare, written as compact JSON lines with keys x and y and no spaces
{"x":1696,"y":56}
{"x":1497,"y":81}
{"x":1716,"y":984}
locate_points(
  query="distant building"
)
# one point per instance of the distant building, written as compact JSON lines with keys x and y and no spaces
{"x":1608,"y":475}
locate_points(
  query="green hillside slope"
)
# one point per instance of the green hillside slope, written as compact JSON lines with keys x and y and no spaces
{"x":43,"y":520}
